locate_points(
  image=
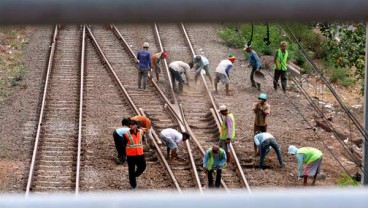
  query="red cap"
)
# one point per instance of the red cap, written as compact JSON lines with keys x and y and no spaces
{"x":164,"y":55}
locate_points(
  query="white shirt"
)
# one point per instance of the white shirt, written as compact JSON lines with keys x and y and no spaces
{"x":173,"y":135}
{"x":179,"y":66}
{"x":221,"y":68}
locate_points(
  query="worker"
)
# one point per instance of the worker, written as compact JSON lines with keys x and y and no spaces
{"x":172,"y":138}
{"x":145,"y":123}
{"x":177,"y":68}
{"x":310,"y":156}
{"x":227,"y":133}
{"x":156,"y":69}
{"x":280,"y":61}
{"x":133,"y":139}
{"x":201,"y":62}
{"x":262,"y":146}
{"x":118,"y":140}
{"x":255,"y":63}
{"x":261,"y":111}
{"x":144,"y":66}
{"x":214,"y":160}
{"x":223,"y":72}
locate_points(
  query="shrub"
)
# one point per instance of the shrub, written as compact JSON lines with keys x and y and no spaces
{"x":346,"y":180}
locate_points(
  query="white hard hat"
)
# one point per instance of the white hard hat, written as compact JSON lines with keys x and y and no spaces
{"x":223,"y":108}
{"x":292,"y":149}
{"x":145,"y":45}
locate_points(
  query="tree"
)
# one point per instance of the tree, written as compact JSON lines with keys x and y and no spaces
{"x":345,"y":46}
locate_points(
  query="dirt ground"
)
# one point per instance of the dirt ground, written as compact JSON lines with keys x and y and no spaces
{"x":288,"y":121}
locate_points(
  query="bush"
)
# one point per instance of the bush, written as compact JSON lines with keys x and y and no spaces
{"x":337,"y":74}
{"x":346,"y":180}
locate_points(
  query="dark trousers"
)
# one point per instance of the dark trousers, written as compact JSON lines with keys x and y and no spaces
{"x":142,"y":74}
{"x":259,"y":129}
{"x":120,"y":147}
{"x":175,"y":75}
{"x":265,"y":149}
{"x":218,"y":178}
{"x":276,"y":77}
{"x":254,"y":84}
{"x":133,"y":162}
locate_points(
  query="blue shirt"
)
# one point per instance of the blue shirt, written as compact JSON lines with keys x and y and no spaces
{"x":254,"y":60}
{"x":122,"y":131}
{"x":144,"y":57}
{"x":202,"y":63}
{"x":300,"y":158}
{"x":261,"y":137}
{"x":217,"y":161}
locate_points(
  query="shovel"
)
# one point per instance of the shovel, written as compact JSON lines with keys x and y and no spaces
{"x":259,"y":77}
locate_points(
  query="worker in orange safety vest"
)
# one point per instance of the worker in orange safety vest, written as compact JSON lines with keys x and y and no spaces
{"x":133,"y":139}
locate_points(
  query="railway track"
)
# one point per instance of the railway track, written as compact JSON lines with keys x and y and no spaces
{"x":197,"y":102}
{"x":54,"y":161}
{"x":110,"y":93}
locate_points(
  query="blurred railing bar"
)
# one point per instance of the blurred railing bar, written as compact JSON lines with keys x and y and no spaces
{"x":116,"y":11}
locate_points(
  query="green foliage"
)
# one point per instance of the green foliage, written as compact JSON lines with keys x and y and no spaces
{"x":306,"y":68}
{"x":346,"y":180}
{"x":345,"y":45}
{"x":341,"y":76}
{"x":239,"y":35}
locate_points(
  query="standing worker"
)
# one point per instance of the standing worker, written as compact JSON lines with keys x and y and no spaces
{"x":310,"y":156}
{"x":227,"y":133}
{"x":262,"y":146}
{"x":223,"y":72}
{"x":118,"y":140}
{"x":256,"y":64}
{"x":177,"y":68}
{"x":156,"y":59}
{"x":133,"y":139}
{"x":261,"y":110}
{"x":146,"y":124}
{"x":144,"y":65}
{"x":214,"y":160}
{"x":280,"y":60}
{"x":201,"y":62}
{"x":172,"y":139}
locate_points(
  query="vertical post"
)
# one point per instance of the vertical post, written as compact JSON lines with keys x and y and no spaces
{"x":365,"y":116}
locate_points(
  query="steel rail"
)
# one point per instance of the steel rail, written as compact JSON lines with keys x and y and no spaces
{"x":190,"y":151}
{"x":194,"y":138}
{"x":218,"y":117}
{"x":175,"y":112}
{"x":136,"y":110}
{"x":174,"y":99}
{"x":162,"y":157}
{"x":132,"y":54}
{"x":43,"y":104}
{"x":94,"y":11}
{"x":184,"y":126}
{"x":83,"y":48}
{"x":99,"y":49}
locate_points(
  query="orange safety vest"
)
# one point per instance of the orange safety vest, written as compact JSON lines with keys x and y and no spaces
{"x":134,"y":146}
{"x":154,"y":57}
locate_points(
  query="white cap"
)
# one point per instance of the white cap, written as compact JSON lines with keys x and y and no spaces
{"x":145,"y":45}
{"x":223,"y":108}
{"x":292,"y":149}
{"x":246,"y":47}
